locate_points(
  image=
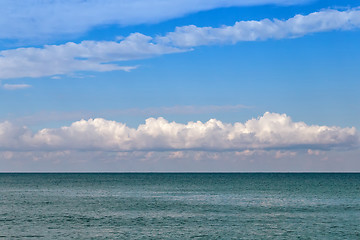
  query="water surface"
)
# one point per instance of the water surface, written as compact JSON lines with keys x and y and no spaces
{"x":180,"y":206}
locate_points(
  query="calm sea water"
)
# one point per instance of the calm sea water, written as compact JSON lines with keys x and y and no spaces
{"x":180,"y":206}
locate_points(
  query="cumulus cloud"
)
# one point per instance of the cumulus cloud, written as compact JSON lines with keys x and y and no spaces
{"x":104,"y":56}
{"x":36,"y":19}
{"x":270,"y":131}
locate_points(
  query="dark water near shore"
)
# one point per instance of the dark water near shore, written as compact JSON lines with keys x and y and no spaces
{"x":180,"y":206}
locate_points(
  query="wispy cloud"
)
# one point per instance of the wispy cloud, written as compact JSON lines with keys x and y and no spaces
{"x":85,"y":56}
{"x":270,"y":131}
{"x":15,"y":86}
{"x":54,"y":18}
{"x":103,"y":56}
{"x":299,"y":25}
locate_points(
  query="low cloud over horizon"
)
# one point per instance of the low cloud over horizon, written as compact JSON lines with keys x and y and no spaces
{"x":268,"y":132}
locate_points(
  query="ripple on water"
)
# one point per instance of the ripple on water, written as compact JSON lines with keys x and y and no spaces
{"x":179,"y":206}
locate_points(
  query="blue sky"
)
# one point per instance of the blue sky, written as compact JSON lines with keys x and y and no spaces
{"x":280,"y":77}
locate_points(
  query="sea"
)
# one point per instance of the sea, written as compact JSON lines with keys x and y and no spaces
{"x":180,"y":206}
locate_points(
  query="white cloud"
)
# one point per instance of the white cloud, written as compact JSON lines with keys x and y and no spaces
{"x":15,"y":86}
{"x":270,"y":131}
{"x":72,"y":57}
{"x":12,"y":135}
{"x":299,"y":25}
{"x":103,"y":56}
{"x":43,"y":19}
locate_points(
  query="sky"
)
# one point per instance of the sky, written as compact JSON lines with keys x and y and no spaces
{"x":179,"y":86}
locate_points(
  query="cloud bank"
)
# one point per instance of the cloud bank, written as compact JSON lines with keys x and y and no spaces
{"x":37,"y":19}
{"x":104,"y":56}
{"x":270,"y":131}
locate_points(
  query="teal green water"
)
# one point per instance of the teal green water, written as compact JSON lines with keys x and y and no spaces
{"x":180,"y":206}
